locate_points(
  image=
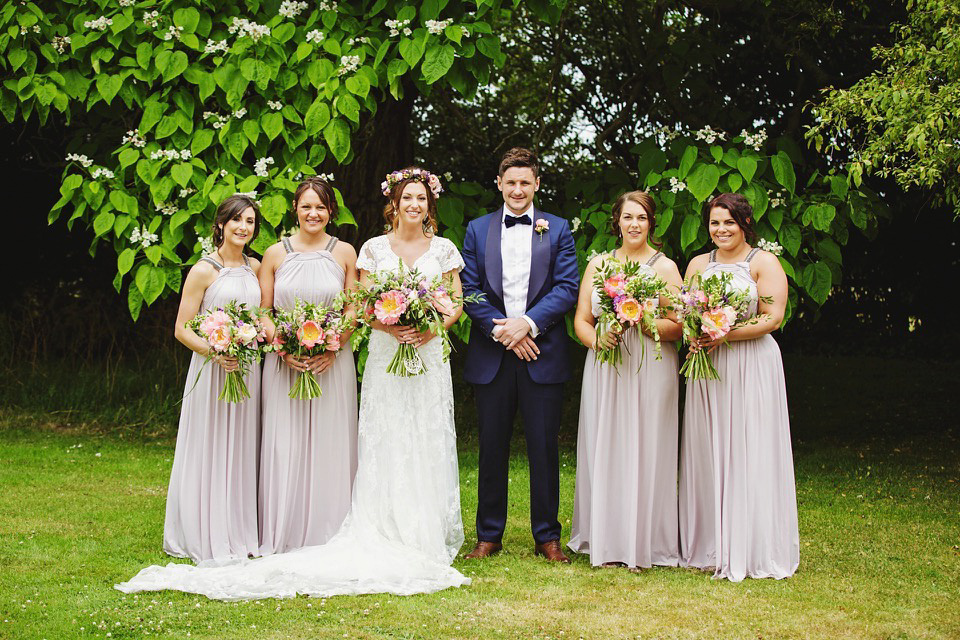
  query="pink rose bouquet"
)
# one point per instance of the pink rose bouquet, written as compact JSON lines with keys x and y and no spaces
{"x":309,"y":330}
{"x":629,"y":297}
{"x":233,"y":330}
{"x":407,"y":298}
{"x":713,"y":307}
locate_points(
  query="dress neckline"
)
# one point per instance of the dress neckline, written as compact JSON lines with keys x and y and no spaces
{"x":386,"y":239}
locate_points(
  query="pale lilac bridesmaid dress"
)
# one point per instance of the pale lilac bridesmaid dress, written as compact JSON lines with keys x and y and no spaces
{"x":738,"y":505}
{"x":625,"y":503}
{"x":309,"y":447}
{"x":212,"y":499}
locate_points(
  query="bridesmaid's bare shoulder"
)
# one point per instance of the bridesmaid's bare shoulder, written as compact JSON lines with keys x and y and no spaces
{"x":698,"y":263}
{"x":254,"y":264}
{"x":202,"y":273}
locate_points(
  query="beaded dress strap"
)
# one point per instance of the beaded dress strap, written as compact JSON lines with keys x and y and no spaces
{"x":246,"y":260}
{"x":654,"y":258}
{"x":286,"y":245}
{"x":331,"y":244}
{"x":216,"y":265}
{"x":752,"y":253}
{"x":713,"y":256}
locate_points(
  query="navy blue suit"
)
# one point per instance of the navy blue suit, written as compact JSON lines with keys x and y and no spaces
{"x":503,"y":383}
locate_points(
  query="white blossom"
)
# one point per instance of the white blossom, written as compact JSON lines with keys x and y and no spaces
{"x":224,"y":173}
{"x":325,"y":176}
{"x":243,"y":27}
{"x":327,"y":5}
{"x":777,"y":198}
{"x":407,"y":31}
{"x":448,"y":176}
{"x":173,"y":33}
{"x":465,"y":31}
{"x":275,"y":105}
{"x":248,"y":194}
{"x":167,"y":208}
{"x":395,"y":26}
{"x":574,"y":225}
{"x":25,"y":30}
{"x":291,"y":8}
{"x":133,"y":137}
{"x":82,"y":159}
{"x":315,"y":36}
{"x":436,"y":27}
{"x":184,"y":193}
{"x":708,"y":135}
{"x":677,"y":186}
{"x":206,"y":246}
{"x":221,"y":120}
{"x":143,"y":237}
{"x":348,"y":64}
{"x":239,"y":113}
{"x":260,"y":167}
{"x":127,"y":3}
{"x":151,"y":18}
{"x":215,"y":46}
{"x":101,"y":172}
{"x":170,"y":154}
{"x":100,"y":24}
{"x":754,"y":140}
{"x":772,"y":247}
{"x":667,"y":132}
{"x":672,"y":38}
{"x":60,"y":43}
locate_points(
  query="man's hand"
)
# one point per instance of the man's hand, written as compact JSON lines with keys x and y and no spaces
{"x":512,"y":331}
{"x":526,"y":349}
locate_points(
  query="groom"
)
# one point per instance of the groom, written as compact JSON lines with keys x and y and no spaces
{"x":524,"y":262}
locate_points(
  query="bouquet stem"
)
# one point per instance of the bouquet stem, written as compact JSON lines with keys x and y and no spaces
{"x":699,"y":366}
{"x":305,"y":387}
{"x":234,"y":388}
{"x":406,"y":362}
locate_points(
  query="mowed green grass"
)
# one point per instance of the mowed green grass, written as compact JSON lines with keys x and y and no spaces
{"x":876,"y":450}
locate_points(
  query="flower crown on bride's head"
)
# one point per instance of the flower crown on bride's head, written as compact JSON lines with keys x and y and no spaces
{"x":418,"y":175}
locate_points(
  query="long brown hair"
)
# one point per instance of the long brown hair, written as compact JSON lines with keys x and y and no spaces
{"x":230,"y":209}
{"x":740,"y":210}
{"x":323,"y":190}
{"x":393,"y":204}
{"x":643,"y":199}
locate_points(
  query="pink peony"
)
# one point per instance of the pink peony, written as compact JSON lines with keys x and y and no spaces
{"x":333,"y":341}
{"x":615,"y":285}
{"x":628,"y":309}
{"x":219,"y":338}
{"x":442,"y":302}
{"x":309,"y":334}
{"x":214,"y":321}
{"x":390,"y":307}
{"x":717,"y":322}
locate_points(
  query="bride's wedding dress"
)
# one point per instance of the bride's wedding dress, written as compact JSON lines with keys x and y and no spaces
{"x":404,"y":527}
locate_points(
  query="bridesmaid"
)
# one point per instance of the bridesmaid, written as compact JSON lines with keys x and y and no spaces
{"x":212,"y":499}
{"x":309,"y":447}
{"x":625,"y":506}
{"x":738,"y":506}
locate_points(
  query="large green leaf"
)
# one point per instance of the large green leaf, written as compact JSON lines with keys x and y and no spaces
{"x":686,"y":161}
{"x":125,"y":260}
{"x":272,"y":124}
{"x":337,"y":136}
{"x":747,"y":167}
{"x":150,"y":281}
{"x":790,"y":237}
{"x":689,"y":230}
{"x":816,"y":280}
{"x":108,"y":86}
{"x":317,"y":117}
{"x":348,"y":106}
{"x":783,"y":171}
{"x":103,"y":223}
{"x":411,"y":50}
{"x":703,"y":180}
{"x":182,"y":172}
{"x":437,"y":62}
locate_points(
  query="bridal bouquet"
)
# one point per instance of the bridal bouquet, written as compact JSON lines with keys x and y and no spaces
{"x":308,"y":330}
{"x":628,"y":298}
{"x":406,"y":297}
{"x":710,"y":306}
{"x":233,"y":330}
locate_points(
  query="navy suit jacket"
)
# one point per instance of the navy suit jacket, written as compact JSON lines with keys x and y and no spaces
{"x":552,"y":292}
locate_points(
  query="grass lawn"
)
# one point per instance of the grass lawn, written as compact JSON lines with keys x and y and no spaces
{"x":876,"y":448}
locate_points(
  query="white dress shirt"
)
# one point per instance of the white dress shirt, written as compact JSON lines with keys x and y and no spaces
{"x":515,"y":252}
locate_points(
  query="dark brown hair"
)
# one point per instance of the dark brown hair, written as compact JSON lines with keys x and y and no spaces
{"x":739,"y":208}
{"x":643,"y":199}
{"x":393,"y":204}
{"x":323,"y":190}
{"x":520,"y":157}
{"x":230,"y":209}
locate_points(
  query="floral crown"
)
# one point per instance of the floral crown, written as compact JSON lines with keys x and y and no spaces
{"x":418,"y":175}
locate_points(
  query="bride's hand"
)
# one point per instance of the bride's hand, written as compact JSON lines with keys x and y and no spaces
{"x":401,"y":333}
{"x":422,"y":338}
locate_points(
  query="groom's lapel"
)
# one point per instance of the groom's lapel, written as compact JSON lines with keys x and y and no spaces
{"x":539,"y":259}
{"x":493,"y":261}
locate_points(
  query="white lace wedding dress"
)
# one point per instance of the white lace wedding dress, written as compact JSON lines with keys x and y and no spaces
{"x":404,"y":527}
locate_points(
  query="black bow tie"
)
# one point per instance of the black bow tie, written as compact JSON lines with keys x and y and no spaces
{"x":509,"y":220}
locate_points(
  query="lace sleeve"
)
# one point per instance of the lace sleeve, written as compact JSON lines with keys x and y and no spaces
{"x":366,"y":259}
{"x":449,"y":257}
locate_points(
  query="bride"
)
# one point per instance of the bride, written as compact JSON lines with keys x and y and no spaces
{"x":404,"y":527}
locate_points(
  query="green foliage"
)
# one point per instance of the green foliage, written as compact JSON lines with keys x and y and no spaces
{"x":902,"y":120}
{"x":218,"y":101}
{"x":811,"y":223}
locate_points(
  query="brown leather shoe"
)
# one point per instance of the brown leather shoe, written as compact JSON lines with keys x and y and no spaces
{"x":484,"y":549}
{"x":551,"y":551}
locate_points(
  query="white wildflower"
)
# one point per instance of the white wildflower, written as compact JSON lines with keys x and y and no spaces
{"x":291,"y":9}
{"x":436,"y":27}
{"x":667,"y":132}
{"x":407,"y":31}
{"x":708,"y":135}
{"x":395,"y":26}
{"x":448,"y":176}
{"x":206,"y":246}
{"x":143,"y":237}
{"x":672,"y":38}
{"x":133,"y":137}
{"x":35,"y":29}
{"x":325,"y":176}
{"x":239,"y":113}
{"x":185,"y":193}
{"x":215,"y":46}
{"x":275,"y":105}
{"x":100,"y":24}
{"x":151,"y":18}
{"x":260,"y":167}
{"x":60,"y":43}
{"x":348,"y":64}
{"x":465,"y":31}
{"x":247,"y":194}
{"x":777,"y":198}
{"x":754,"y":140}
{"x":167,"y":208}
{"x":315,"y":36}
{"x":82,"y":159}
{"x":677,"y":186}
{"x":326,"y":5}
{"x":173,"y":33}
{"x":170,"y":154}
{"x":224,"y":173}
{"x":574,"y":225}
{"x":772,"y":247}
{"x":127,"y":3}
{"x":101,"y":172}
{"x":243,"y":27}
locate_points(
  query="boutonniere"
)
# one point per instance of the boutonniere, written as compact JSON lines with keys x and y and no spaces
{"x":541,"y":226}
